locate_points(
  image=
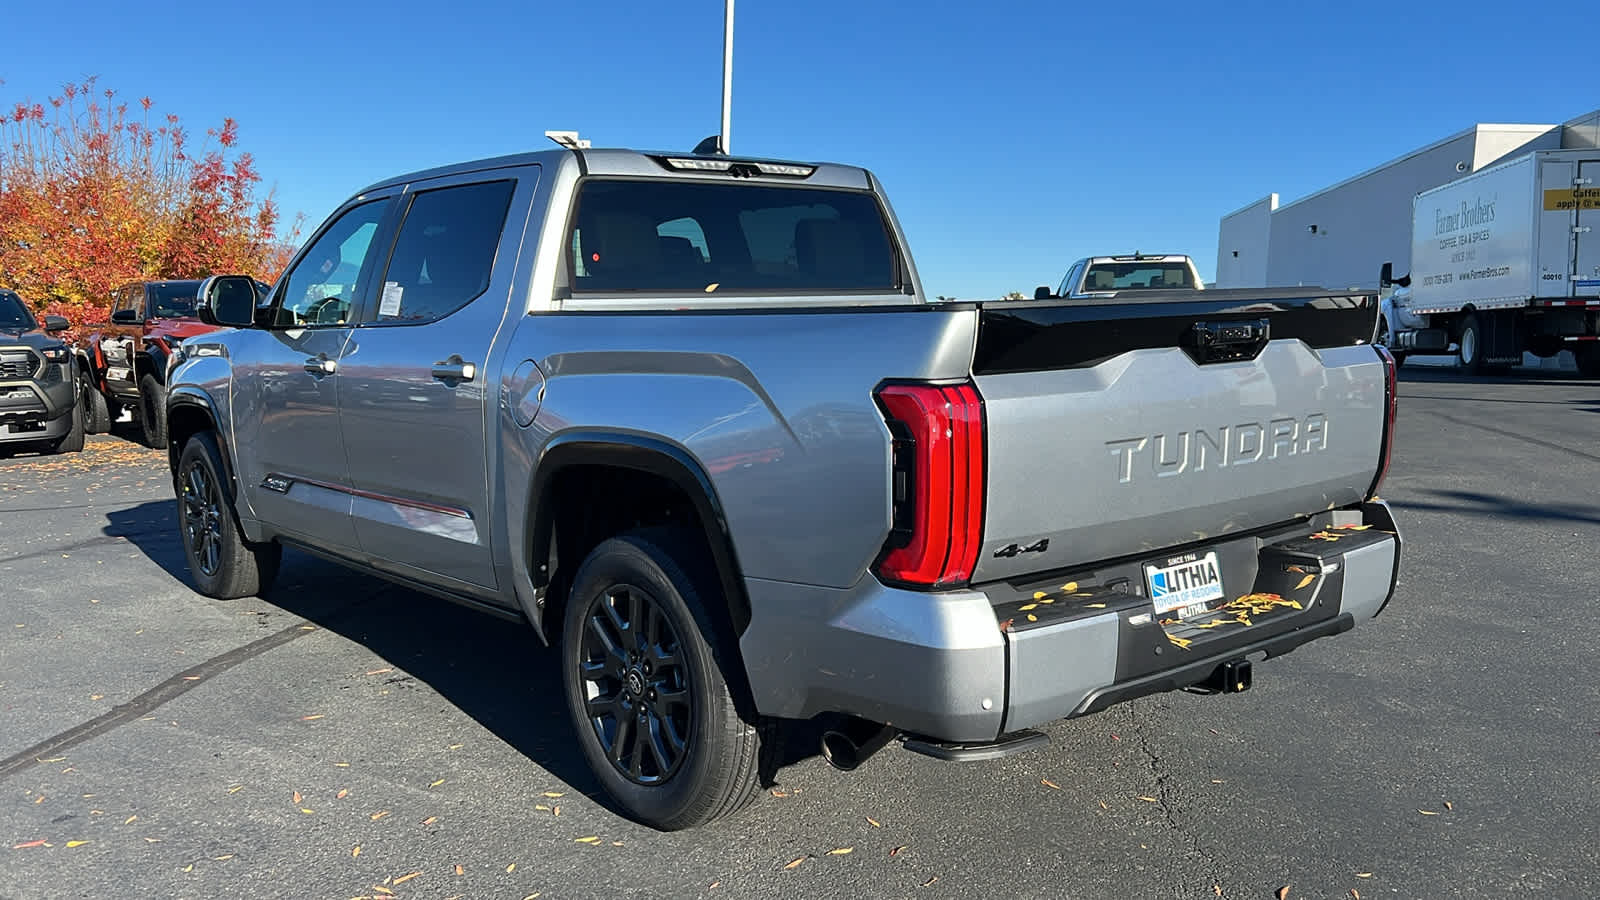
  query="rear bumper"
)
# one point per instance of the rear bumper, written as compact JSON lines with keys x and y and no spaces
{"x":970,"y":666}
{"x":38,"y":410}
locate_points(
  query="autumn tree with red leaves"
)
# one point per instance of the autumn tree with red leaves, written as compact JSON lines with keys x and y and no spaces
{"x":94,"y":194}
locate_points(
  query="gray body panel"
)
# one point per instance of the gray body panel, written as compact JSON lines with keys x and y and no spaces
{"x":1106,"y":462}
{"x":770,"y":401}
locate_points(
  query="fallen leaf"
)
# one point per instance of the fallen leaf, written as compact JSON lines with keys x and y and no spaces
{"x":437,"y":783}
{"x":342,"y":765}
{"x":1355,"y":893}
{"x":223,"y":858}
{"x":532,"y":896}
{"x":1427,"y":812}
{"x":587,"y":840}
{"x":1363,"y":874}
{"x":930,"y":881}
{"x":616,"y":843}
{"x":714,"y":885}
{"x":1218,"y":781}
{"x":71,"y":844}
{"x":381,"y":671}
{"x":189,"y":867}
{"x":407,"y":877}
{"x":555,"y":811}
{"x":841,"y":851}
{"x":355,"y":851}
{"x":152,"y":840}
{"x":797,"y":861}
{"x":1150,"y":799}
{"x":459,"y":870}
{"x":511,"y":868}
{"x":1103,"y":805}
{"x":236,"y":789}
{"x":873,"y":822}
{"x":541,"y":806}
{"x":311,"y":718}
{"x":96,"y":696}
{"x":455,"y":746}
{"x":1283,"y":891}
{"x":778,"y":793}
{"x":131,"y":819}
{"x":341,"y":795}
{"x":555,"y":794}
{"x":1050,"y":784}
{"x":297,"y":798}
{"x":378,"y":815}
{"x":1305,"y":581}
{"x":24,"y":846}
{"x":1216,"y":889}
{"x":382,"y":890}
{"x":430,"y":820}
{"x":1448,"y":805}
{"x":52,"y":759}
{"x":896,"y":851}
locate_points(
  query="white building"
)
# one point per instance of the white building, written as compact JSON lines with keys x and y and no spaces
{"x":1339,"y":236}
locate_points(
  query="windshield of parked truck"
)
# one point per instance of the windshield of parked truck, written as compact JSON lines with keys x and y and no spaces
{"x":676,"y":237}
{"x":1123,"y":276}
{"x":175,"y":299}
{"x":14,"y":314}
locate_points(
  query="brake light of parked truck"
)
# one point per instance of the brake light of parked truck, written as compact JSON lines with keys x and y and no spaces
{"x":1390,"y":413}
{"x":937,"y":483}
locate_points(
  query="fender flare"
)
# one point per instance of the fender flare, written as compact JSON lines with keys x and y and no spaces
{"x":191,"y":397}
{"x":650,"y":455}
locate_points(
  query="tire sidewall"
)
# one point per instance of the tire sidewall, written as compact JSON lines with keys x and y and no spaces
{"x":641,"y":564}
{"x":152,"y":412}
{"x":1476,"y":362}
{"x":202,"y":450}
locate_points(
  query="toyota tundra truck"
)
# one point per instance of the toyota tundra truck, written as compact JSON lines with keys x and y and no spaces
{"x":694,"y":419}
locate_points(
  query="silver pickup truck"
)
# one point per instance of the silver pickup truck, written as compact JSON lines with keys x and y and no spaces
{"x":693,"y":418}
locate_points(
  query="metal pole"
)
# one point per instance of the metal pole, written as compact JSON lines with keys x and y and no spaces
{"x":727,"y":74}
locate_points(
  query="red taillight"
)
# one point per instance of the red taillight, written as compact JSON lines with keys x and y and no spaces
{"x":1390,"y":410}
{"x":937,"y":483}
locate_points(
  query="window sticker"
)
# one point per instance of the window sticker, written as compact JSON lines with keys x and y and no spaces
{"x":392,"y":292}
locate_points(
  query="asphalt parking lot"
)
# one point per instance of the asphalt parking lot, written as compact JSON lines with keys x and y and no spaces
{"x":346,"y":738}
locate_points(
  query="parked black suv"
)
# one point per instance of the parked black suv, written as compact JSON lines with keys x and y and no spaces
{"x":38,"y":381}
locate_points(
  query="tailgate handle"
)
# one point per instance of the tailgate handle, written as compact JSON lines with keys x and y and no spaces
{"x":1212,"y":342}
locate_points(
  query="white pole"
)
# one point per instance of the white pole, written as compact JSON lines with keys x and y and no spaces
{"x":727,"y":74}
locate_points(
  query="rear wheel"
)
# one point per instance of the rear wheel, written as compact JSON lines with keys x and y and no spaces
{"x":1469,"y":358}
{"x":1588,"y":359}
{"x":643,"y":665}
{"x":153,"y":412}
{"x":224,"y":565}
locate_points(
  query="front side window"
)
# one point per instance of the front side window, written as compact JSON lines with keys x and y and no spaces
{"x":444,"y":252}
{"x":698,"y":237}
{"x":175,"y":298}
{"x":322,"y":287}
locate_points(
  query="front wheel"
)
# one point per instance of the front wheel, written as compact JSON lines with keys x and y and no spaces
{"x":224,"y":565}
{"x":1387,"y":340}
{"x":96,"y":412}
{"x":72,"y":441}
{"x":643,"y":668}
{"x":153,"y":412}
{"x":1469,"y":358}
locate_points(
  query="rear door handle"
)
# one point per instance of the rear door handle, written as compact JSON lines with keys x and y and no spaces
{"x":454,"y":370}
{"x":321,"y":365}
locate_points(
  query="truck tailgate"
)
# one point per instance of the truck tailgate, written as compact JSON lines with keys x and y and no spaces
{"x":1121,"y":428}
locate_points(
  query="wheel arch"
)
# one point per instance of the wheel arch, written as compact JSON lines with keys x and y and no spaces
{"x":568,"y":463}
{"x":189,"y":412}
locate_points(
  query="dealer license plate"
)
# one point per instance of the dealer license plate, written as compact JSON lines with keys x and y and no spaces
{"x":1188,"y":583}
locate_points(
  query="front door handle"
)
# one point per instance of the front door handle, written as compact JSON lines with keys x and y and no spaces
{"x":454,"y":370}
{"x":321,"y":365}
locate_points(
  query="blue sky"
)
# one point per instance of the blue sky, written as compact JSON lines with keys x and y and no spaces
{"x":1013,"y":137}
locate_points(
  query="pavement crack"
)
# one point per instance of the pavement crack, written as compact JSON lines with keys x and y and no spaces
{"x":1164,"y":792}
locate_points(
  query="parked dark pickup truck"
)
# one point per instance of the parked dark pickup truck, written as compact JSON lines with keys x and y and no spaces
{"x":125,"y":360}
{"x":38,"y":381}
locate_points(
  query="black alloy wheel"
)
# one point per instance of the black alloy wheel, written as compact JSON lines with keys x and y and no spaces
{"x":636,"y":685}
{"x":202,"y":518}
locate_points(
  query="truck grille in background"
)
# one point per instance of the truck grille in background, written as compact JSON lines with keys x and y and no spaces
{"x":17,"y":364}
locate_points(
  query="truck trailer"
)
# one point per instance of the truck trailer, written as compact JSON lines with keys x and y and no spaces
{"x":1505,"y":261}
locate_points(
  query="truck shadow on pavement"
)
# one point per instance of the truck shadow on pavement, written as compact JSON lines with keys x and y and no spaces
{"x":1473,"y":503}
{"x":495,"y":671}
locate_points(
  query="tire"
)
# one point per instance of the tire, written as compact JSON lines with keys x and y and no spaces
{"x":1588,"y":360}
{"x":1469,"y":358}
{"x":153,"y":412}
{"x":225,"y":566}
{"x":703,"y":762}
{"x":1399,"y":356}
{"x":72,"y":441}
{"x":96,"y":412}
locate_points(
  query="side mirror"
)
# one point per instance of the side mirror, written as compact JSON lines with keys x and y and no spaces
{"x":56,"y":323}
{"x":126,"y":317}
{"x":1386,"y":275}
{"x":227,"y":300}
{"x":1041,"y":293}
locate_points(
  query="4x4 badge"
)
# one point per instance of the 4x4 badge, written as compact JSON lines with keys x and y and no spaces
{"x":1011,"y":550}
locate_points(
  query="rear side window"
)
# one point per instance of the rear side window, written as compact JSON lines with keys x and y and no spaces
{"x":676,"y":237}
{"x":444,"y":252}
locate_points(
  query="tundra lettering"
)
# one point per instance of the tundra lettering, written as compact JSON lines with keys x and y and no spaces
{"x":1234,"y":445}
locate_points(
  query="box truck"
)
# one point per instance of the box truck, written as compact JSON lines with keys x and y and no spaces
{"x":1505,"y":261}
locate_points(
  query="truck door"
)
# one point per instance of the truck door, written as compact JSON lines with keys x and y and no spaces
{"x":1586,"y":234}
{"x":418,"y":389}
